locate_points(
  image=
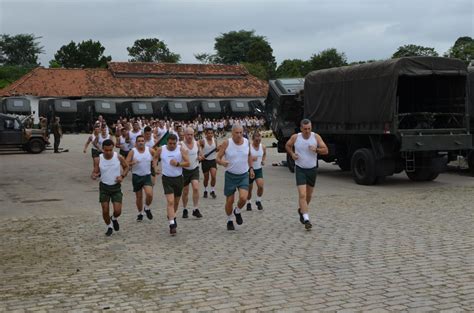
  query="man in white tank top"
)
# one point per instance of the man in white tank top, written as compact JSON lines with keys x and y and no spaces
{"x":136,"y":131}
{"x":208,"y":164}
{"x":173,"y":158}
{"x":94,"y":151}
{"x":109,"y":169}
{"x":238,"y":164}
{"x":307,"y":147}
{"x":123,"y":142}
{"x":258,"y":154}
{"x":191,"y":172}
{"x":150,"y":143}
{"x":141,"y":159}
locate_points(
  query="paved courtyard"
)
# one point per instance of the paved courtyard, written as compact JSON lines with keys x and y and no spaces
{"x":399,"y":246}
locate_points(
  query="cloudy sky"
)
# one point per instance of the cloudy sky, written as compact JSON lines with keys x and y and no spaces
{"x":363,"y":29}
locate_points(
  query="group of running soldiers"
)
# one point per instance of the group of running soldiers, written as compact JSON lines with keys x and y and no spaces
{"x":180,"y":152}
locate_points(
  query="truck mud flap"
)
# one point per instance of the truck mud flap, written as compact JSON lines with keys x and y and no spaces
{"x":436,"y":142}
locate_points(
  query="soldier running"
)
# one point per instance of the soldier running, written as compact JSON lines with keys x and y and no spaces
{"x":108,"y":168}
{"x":173,"y":158}
{"x":191,"y":172}
{"x":208,"y":164}
{"x":237,"y":165}
{"x":139,"y":159}
{"x":258,"y":153}
{"x":307,"y":147}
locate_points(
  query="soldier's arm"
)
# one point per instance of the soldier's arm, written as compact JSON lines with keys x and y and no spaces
{"x":322,"y":148}
{"x":185,"y":156}
{"x":124,"y":165}
{"x":290,"y":143}
{"x":220,"y":153}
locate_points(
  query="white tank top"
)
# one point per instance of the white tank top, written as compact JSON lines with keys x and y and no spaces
{"x":143,"y":165}
{"x":124,"y":146}
{"x":109,"y":169}
{"x":93,"y":147}
{"x":166,"y":156}
{"x":238,"y":156}
{"x":193,"y":155}
{"x":208,"y":148}
{"x":150,"y":143}
{"x":259,"y":154}
{"x":306,"y":157}
{"x":101,"y":140}
{"x":133,"y":137}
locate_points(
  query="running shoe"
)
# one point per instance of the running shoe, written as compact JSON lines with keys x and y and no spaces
{"x":259,"y":205}
{"x":230,"y":225}
{"x":185,"y":213}
{"x":197,"y":214}
{"x":139,"y":217}
{"x":148,"y":214}
{"x":301,"y":216}
{"x":109,"y":231}
{"x":173,"y":229}
{"x":205,"y":194}
{"x":238,"y":218}
{"x":249,"y":206}
{"x":213,"y":195}
{"x":116,"y":225}
{"x":307,"y":225}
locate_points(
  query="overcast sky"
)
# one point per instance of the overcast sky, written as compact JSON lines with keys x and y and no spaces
{"x":365,"y":29}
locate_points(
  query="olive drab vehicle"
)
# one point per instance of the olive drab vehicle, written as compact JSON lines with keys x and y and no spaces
{"x":381,"y":118}
{"x":14,"y":135}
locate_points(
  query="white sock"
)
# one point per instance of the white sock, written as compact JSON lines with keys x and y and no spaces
{"x":110,"y":225}
{"x":114,"y":218}
{"x":237,"y":210}
{"x":248,"y":201}
{"x":172,"y":222}
{"x":206,"y":189}
{"x":229,"y":218}
{"x":306,"y":216}
{"x":194,"y":209}
{"x":146,"y":208}
{"x":213,"y":189}
{"x":259,"y":199}
{"x":141,"y":212}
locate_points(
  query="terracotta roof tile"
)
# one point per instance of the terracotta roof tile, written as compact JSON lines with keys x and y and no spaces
{"x":167,"y":80}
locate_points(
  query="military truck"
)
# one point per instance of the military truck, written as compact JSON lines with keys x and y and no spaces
{"x":379,"y":118}
{"x":15,"y":136}
{"x":177,"y":110}
{"x":208,"y":108}
{"x":15,"y":105}
{"x":89,"y":111}
{"x":65,"y":109}
{"x":136,"y":109}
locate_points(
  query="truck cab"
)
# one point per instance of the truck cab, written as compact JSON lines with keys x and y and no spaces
{"x":15,"y":136}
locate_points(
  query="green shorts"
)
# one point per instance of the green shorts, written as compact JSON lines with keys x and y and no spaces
{"x":95,"y":153}
{"x":139,"y":182}
{"x":305,"y":176}
{"x":258,"y":174}
{"x":189,"y":175}
{"x":206,"y":165}
{"x":110,"y":192}
{"x":232,"y":182}
{"x":172,"y":185}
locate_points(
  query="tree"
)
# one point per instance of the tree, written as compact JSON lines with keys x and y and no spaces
{"x":327,"y":59}
{"x":293,"y":68}
{"x":207,"y":58}
{"x":257,"y":70}
{"x":10,"y":73}
{"x":86,"y":54}
{"x":245,"y":47}
{"x":21,"y":49}
{"x":151,"y":50}
{"x":463,"y":49}
{"x":414,"y":50}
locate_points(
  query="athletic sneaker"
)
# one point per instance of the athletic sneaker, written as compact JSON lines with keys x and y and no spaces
{"x":301,"y":216}
{"x":307,"y":225}
{"x":116,"y":225}
{"x":259,"y":205}
{"x":213,"y":195}
{"x":139,"y":217}
{"x":230,"y":225}
{"x":185,"y":213}
{"x":109,"y":231}
{"x":148,"y":214}
{"x":238,"y":218}
{"x":197,"y":214}
{"x":173,"y":229}
{"x":205,"y":194}
{"x":249,"y":206}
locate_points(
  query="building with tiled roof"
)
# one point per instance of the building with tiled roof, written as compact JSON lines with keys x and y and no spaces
{"x":124,"y":81}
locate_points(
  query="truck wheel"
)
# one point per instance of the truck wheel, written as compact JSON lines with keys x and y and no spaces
{"x":36,"y":145}
{"x":423,"y":174}
{"x":344,"y":164}
{"x":290,"y":163}
{"x":470,"y":162}
{"x":363,"y":167}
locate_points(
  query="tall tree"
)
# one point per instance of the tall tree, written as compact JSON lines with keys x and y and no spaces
{"x":21,"y":49}
{"x":244,"y":46}
{"x":86,"y":54}
{"x":293,"y":68}
{"x":462,"y":49}
{"x":151,"y":50}
{"x":414,"y":50}
{"x":207,"y":58}
{"x":327,"y":59}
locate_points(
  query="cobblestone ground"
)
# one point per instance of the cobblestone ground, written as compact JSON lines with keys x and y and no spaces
{"x":399,"y":247}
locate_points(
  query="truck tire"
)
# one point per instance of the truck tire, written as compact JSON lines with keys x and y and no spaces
{"x":290,"y":163}
{"x":36,"y":145}
{"x":423,"y":174}
{"x":470,"y":162}
{"x":363,"y":167}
